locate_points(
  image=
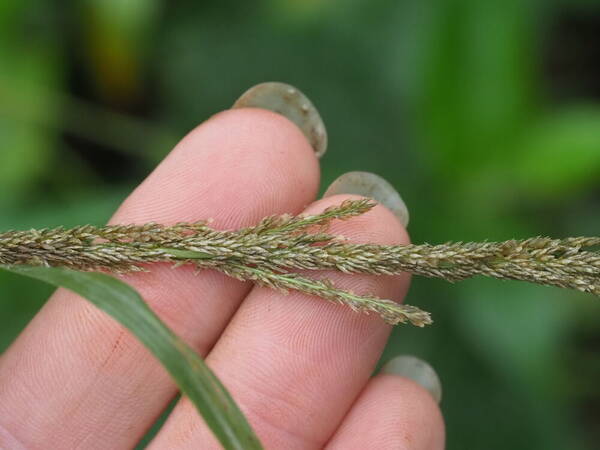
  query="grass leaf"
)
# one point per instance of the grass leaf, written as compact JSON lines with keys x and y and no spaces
{"x":189,"y":371}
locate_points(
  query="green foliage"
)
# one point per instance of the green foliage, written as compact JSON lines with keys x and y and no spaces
{"x":561,"y":153}
{"x":450,"y":101}
{"x":191,"y":374}
{"x":26,"y":148}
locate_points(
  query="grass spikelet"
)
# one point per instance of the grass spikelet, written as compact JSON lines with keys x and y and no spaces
{"x":271,"y":251}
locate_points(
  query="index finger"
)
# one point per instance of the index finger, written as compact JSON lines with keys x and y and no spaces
{"x":76,"y":378}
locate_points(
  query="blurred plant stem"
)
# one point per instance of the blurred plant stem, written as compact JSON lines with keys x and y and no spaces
{"x":131,"y":135}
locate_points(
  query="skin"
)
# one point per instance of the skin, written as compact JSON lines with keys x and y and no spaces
{"x":299,"y":367}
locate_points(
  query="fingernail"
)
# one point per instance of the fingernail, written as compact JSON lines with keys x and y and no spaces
{"x":370,"y":185}
{"x":290,"y":102}
{"x":417,"y":370}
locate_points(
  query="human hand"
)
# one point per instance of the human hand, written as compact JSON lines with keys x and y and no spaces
{"x":299,"y":367}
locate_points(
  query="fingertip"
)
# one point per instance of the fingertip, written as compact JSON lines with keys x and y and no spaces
{"x":292,"y":103}
{"x":372,"y":186}
{"x":415,"y":409}
{"x":418,"y":370}
{"x":379,"y":225}
{"x":249,"y":156}
{"x":393,"y":412}
{"x":262,"y":124}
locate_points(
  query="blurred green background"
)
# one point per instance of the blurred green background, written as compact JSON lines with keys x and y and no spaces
{"x":484,"y":114}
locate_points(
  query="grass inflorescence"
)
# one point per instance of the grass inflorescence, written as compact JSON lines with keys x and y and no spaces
{"x":269,"y":252}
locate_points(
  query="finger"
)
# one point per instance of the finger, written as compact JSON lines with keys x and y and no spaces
{"x":393,"y":412}
{"x":295,"y":363}
{"x":76,"y":378}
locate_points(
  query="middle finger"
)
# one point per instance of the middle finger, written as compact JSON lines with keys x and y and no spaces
{"x":296,"y":363}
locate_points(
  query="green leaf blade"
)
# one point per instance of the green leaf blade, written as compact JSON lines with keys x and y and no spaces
{"x":189,"y":371}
